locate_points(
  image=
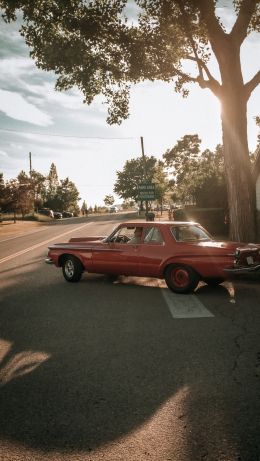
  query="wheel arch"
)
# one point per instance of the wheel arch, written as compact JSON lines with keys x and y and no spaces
{"x":181,"y":262}
{"x":62,"y":258}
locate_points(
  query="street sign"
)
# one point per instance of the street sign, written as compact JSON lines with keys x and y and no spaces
{"x":146,"y":191}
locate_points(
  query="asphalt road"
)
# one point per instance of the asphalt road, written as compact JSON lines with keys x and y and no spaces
{"x":124,"y":370}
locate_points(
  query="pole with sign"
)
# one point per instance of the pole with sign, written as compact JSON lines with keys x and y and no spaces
{"x":145,"y":175}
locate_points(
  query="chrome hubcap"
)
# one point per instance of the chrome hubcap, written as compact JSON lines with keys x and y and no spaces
{"x":69,"y":268}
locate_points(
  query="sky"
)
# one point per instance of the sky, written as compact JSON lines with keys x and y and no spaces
{"x":57,"y":127}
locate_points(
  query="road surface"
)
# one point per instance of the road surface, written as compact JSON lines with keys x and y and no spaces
{"x":125,"y":370}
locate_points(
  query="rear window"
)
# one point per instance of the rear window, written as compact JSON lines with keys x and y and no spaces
{"x":190,"y":233}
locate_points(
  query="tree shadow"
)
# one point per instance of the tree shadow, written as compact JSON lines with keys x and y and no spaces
{"x":81,"y":374}
{"x":94,"y":361}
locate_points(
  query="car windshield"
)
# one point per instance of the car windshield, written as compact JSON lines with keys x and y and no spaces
{"x":190,"y":233}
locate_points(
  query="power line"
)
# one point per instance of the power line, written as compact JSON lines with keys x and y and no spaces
{"x":123,"y":138}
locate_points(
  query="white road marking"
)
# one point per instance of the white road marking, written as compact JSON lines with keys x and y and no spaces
{"x":184,"y":306}
{"x":19,"y":253}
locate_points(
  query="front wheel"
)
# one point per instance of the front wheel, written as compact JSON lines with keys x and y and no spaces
{"x":72,"y":269}
{"x":181,"y":279}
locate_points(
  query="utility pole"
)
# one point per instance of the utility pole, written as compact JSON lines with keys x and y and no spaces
{"x":144,"y":163}
{"x":145,"y":173}
{"x":31,"y":191}
{"x":30,"y":160}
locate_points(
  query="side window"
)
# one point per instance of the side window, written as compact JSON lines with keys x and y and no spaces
{"x":153,"y":236}
{"x":128,"y":235}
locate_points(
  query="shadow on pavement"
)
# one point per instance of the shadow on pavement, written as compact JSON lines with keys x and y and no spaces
{"x":91,"y":362}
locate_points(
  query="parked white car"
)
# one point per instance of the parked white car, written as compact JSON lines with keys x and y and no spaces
{"x":113,"y":209}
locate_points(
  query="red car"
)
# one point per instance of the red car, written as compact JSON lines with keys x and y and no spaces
{"x":183,"y":253}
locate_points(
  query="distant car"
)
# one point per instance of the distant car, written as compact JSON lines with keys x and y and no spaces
{"x":113,"y":209}
{"x":46,"y":212}
{"x":57,"y":215}
{"x":67,"y":214}
{"x":183,"y":253}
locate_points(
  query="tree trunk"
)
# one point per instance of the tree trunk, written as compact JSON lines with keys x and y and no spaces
{"x":240,"y":185}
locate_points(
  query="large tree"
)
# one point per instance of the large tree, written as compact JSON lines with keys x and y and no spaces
{"x":135,"y":171}
{"x":198,"y":177}
{"x":65,"y":198}
{"x":91,"y":45}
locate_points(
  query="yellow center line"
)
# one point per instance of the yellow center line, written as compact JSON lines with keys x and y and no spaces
{"x":19,"y":253}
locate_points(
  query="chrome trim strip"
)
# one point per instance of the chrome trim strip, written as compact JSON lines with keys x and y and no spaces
{"x":242,"y":270}
{"x":82,"y":248}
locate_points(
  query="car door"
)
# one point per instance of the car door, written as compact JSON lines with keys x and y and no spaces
{"x":117,"y":257}
{"x":152,"y":252}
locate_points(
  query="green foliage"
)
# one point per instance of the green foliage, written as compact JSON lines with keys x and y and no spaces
{"x":160,"y":179}
{"x":84,"y":208}
{"x":213,"y":219}
{"x":93,"y":46}
{"x":28,"y":193}
{"x":197,"y":177}
{"x":257,"y":120}
{"x":52,"y":182}
{"x":65,"y":198}
{"x":139,"y":170}
{"x":2,"y":190}
{"x":109,"y":200}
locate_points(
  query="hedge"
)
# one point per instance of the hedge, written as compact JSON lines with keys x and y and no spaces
{"x":213,"y":219}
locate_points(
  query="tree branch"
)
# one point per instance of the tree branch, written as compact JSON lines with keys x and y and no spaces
{"x":211,"y":83}
{"x":189,"y":35}
{"x":203,"y":65}
{"x":252,"y":84}
{"x":207,"y":11}
{"x":208,"y":7}
{"x":186,"y":77}
{"x":239,"y":31}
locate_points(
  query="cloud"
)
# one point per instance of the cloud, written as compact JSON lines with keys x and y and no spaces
{"x":15,"y":106}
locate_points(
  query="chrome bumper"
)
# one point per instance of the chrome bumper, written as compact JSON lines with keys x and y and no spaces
{"x":242,"y":270}
{"x":49,"y":261}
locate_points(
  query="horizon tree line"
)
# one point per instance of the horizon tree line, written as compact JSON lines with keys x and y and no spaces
{"x":27,"y":193}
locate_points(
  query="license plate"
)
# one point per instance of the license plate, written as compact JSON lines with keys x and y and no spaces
{"x":249,"y":260}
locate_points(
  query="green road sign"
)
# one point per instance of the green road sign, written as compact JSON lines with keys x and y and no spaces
{"x":146,"y":191}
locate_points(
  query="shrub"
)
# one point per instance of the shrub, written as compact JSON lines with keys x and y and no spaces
{"x":213,"y":219}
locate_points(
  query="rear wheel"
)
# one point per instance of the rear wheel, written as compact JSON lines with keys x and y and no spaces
{"x":72,"y":269}
{"x":181,"y":279}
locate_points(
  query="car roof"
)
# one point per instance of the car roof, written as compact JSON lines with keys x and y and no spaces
{"x":158,"y":223}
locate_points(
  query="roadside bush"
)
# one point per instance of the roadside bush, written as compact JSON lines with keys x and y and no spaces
{"x":213,"y":219}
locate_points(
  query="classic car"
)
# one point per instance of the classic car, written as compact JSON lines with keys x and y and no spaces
{"x":183,"y":253}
